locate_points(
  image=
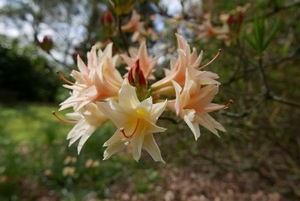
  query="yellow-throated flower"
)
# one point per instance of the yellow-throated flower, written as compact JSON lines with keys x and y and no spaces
{"x":136,"y":123}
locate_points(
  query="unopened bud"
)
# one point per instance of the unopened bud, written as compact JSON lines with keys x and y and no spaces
{"x":47,"y":44}
{"x":240,"y":16}
{"x":235,"y":21}
{"x":107,"y":18}
{"x":130,"y":77}
{"x":136,"y":76}
{"x":107,"y":21}
{"x":140,"y":75}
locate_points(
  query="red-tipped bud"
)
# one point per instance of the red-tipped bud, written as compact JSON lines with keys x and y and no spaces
{"x":107,"y":21}
{"x":130,"y":77}
{"x":240,"y":17}
{"x":235,"y":21}
{"x":136,"y":76}
{"x":107,"y":18}
{"x":140,"y":75}
{"x":230,"y":19}
{"x":47,"y":44}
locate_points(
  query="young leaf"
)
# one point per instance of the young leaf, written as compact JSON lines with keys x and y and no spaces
{"x":272,"y":34}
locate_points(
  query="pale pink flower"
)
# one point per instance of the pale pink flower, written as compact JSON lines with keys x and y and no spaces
{"x":96,"y":81}
{"x":210,"y":31}
{"x":88,"y":118}
{"x":186,"y":60}
{"x":193,"y":104}
{"x":146,"y":62}
{"x":136,"y":123}
{"x":135,"y":26}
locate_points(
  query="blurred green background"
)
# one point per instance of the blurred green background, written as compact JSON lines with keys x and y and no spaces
{"x":257,"y":159}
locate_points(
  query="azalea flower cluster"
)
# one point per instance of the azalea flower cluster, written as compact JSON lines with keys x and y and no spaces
{"x":100,"y":93}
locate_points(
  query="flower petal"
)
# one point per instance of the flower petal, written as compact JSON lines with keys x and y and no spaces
{"x":137,"y":143}
{"x":189,"y":120}
{"x":115,"y":145}
{"x":152,"y":148}
{"x":127,"y":95}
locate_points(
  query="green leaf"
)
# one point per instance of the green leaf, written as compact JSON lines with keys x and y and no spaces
{"x":250,"y":41}
{"x":272,"y":34}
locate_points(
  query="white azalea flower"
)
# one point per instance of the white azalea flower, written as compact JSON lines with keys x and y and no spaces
{"x":135,"y":121}
{"x":89,"y":119}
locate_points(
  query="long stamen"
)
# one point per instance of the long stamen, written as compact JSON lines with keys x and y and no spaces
{"x":227,"y":105}
{"x":63,"y":120}
{"x":63,"y":78}
{"x":213,"y":59}
{"x":133,"y":132}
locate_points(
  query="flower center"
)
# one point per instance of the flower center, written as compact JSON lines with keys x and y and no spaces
{"x":133,"y":132}
{"x":142,"y":112}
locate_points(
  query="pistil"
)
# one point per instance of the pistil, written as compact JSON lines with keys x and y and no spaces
{"x":63,"y":78}
{"x":227,"y":105}
{"x":213,"y":59}
{"x":63,"y":120}
{"x":133,"y":132}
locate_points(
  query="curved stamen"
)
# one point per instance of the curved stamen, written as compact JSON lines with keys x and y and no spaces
{"x":133,"y":132}
{"x":213,"y":59}
{"x":63,"y":120}
{"x":227,"y":105}
{"x":63,"y":78}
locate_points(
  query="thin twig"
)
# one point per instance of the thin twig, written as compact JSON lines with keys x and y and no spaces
{"x":275,"y":11}
{"x":266,"y":89}
{"x":284,"y":101}
{"x":273,"y":62}
{"x":122,"y":35}
{"x":169,"y":119}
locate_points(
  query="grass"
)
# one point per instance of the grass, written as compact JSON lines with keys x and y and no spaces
{"x":35,"y":159}
{"x":29,"y":123}
{"x":34,"y":155}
